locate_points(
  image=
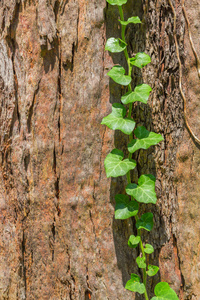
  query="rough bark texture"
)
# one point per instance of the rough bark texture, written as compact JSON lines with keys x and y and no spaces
{"x":58,"y":239}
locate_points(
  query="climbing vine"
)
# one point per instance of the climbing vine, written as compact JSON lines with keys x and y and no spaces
{"x":195,"y":138}
{"x":127,"y":205}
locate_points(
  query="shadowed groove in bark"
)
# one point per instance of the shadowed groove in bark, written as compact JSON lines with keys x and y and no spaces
{"x":31,"y":109}
{"x":57,"y":180}
{"x":23,"y":247}
{"x":53,"y":230}
{"x":59,"y":83}
{"x":16,"y":114}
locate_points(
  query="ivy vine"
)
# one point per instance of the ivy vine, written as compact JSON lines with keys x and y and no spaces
{"x":127,"y":205}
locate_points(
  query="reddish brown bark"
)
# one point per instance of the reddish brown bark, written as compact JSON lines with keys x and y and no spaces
{"x":58,"y":239}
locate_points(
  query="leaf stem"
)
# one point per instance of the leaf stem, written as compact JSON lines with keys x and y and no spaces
{"x":143,"y":254}
{"x":123,"y":28}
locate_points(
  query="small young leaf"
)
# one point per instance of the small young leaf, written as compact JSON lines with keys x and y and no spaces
{"x":125,"y":208}
{"x":115,"y":45}
{"x":117,"y":73}
{"x":148,"y":249}
{"x":145,"y":190}
{"x":116,"y":119}
{"x":133,"y":20}
{"x":140,"y":60}
{"x":115,"y":166}
{"x":152,"y":270}
{"x":145,"y":222}
{"x":136,"y":287}
{"x":141,"y":262}
{"x":133,"y":241}
{"x":140,"y":93}
{"x":134,"y":284}
{"x":145,"y":139}
{"x":117,"y":2}
{"x":164,"y":292}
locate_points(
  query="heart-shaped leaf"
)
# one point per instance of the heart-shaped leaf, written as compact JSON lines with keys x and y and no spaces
{"x":140,"y":93}
{"x":115,"y":45}
{"x":133,"y":241}
{"x":140,"y":60}
{"x":115,"y":166}
{"x":117,"y":2}
{"x":148,"y":249}
{"x":145,"y":139}
{"x":152,"y":270}
{"x":145,"y":190}
{"x":145,"y":222}
{"x":135,"y":277}
{"x":141,"y":262}
{"x":164,"y":292}
{"x":125,"y":208}
{"x":133,"y":20}
{"x":116,"y":119}
{"x":117,"y":73}
{"x":134,"y":284}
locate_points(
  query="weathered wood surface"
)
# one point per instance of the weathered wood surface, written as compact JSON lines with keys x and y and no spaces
{"x":58,"y":238}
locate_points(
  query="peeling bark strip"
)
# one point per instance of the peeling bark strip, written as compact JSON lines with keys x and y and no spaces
{"x":58,"y":239}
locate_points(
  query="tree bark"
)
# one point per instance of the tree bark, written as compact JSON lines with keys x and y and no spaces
{"x":58,"y":237}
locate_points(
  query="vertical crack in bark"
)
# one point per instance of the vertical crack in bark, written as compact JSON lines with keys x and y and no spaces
{"x":23,"y":262}
{"x":178,"y":266}
{"x":62,"y":6}
{"x":16,"y":114}
{"x":71,"y":283}
{"x":77,"y":27}
{"x":59,"y":84}
{"x":94,"y":231}
{"x":56,"y":9}
{"x":30,"y":112}
{"x":27,"y":204}
{"x":53,"y":230}
{"x":57,"y":181}
{"x":102,"y":144}
{"x":88,"y":292}
{"x":72,"y":61}
{"x":26,"y":161}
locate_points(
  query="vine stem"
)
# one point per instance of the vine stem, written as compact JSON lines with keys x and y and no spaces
{"x":123,"y":28}
{"x":196,"y":139}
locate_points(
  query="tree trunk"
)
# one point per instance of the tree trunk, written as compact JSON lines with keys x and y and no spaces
{"x":58,"y":237}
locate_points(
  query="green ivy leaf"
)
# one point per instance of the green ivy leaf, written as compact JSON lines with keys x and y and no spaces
{"x":125,"y":208}
{"x":115,"y":166}
{"x":164,"y":292}
{"x":145,"y":222}
{"x":152,"y":270}
{"x":117,"y":2}
{"x":115,"y":45}
{"x":133,"y":20}
{"x":116,"y":119}
{"x":145,"y":190}
{"x":134,"y":284}
{"x":148,"y":249}
{"x":145,"y":139}
{"x":133,"y":241}
{"x":140,"y":93}
{"x":140,"y":60}
{"x":117,"y":73}
{"x":141,"y":262}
